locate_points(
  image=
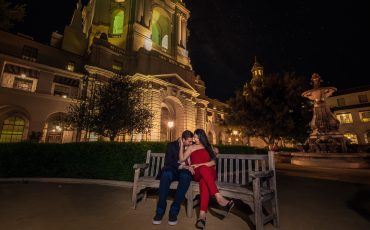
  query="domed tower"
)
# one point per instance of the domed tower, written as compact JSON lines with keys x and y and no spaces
{"x":257,"y":69}
{"x":257,"y":74}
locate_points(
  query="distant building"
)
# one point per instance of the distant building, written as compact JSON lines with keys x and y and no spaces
{"x":352,"y":108}
{"x":146,"y":39}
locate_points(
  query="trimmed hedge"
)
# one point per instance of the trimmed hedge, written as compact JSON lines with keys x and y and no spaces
{"x":94,"y":160}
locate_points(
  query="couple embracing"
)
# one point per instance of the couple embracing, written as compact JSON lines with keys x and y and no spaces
{"x":184,"y":162}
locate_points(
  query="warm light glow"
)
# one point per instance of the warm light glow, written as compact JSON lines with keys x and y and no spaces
{"x":23,"y":75}
{"x":170,"y":124}
{"x":148,"y":44}
{"x":235,"y":132}
{"x":64,"y":96}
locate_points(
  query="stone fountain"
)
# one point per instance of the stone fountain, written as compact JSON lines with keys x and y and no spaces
{"x":326,"y":146}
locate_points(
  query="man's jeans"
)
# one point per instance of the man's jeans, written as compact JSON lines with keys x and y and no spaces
{"x":168,"y":175}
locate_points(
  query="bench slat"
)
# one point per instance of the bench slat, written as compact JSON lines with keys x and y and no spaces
{"x":231,"y":162}
{"x":237,"y":161}
{"x":219,"y":167}
{"x":225,"y":170}
{"x":158,"y":164}
{"x":244,"y":172}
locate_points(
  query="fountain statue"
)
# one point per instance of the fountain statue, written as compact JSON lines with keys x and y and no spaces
{"x":326,"y":146}
{"x":325,"y":136}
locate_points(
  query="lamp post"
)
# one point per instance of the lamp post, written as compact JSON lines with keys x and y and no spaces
{"x":170,"y":126}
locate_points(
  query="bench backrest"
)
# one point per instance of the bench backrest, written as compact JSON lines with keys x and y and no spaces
{"x":231,"y":168}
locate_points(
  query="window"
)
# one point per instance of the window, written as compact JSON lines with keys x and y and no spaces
{"x":341,"y":102}
{"x":363,"y":98}
{"x":61,"y":90}
{"x":117,"y":65}
{"x":22,"y":84}
{"x":165,"y":41}
{"x":365,"y":116}
{"x":117,"y":22}
{"x":352,"y":137}
{"x":367,"y":137}
{"x":345,"y":118}
{"x":71,"y":66}
{"x":66,"y":87}
{"x":29,"y":53}
{"x":12,"y":130}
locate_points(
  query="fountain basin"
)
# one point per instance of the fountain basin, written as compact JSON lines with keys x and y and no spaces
{"x":332,"y":160}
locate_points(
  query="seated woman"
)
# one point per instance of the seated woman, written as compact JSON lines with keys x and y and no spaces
{"x":202,"y":158}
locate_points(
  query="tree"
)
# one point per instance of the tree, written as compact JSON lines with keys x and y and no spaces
{"x":272,"y":110}
{"x":10,"y":13}
{"x":81,"y":115}
{"x":119,"y":110}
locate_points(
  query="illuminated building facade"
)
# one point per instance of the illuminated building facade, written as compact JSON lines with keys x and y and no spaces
{"x":352,"y":108}
{"x":145,"y":39}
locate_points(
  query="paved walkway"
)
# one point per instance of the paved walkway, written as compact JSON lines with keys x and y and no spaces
{"x":305,"y":204}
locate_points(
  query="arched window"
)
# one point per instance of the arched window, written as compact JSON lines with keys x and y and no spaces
{"x":117,"y":22}
{"x":161,"y":28}
{"x":12,"y":129}
{"x":165,"y":41}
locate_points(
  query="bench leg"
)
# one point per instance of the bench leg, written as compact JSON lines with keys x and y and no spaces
{"x":275,"y":211}
{"x":189,"y":202}
{"x":145,"y":195}
{"x":134,"y":197}
{"x":257,"y":204}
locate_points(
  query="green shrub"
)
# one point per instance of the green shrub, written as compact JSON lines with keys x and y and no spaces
{"x":94,"y":160}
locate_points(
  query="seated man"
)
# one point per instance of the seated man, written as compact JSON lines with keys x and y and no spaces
{"x":172,"y":171}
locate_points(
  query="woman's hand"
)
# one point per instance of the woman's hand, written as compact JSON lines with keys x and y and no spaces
{"x":194,"y":166}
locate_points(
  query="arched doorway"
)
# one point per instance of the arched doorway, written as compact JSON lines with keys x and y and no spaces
{"x":172,"y":119}
{"x":352,"y":137}
{"x":55,"y":130}
{"x":367,"y":137}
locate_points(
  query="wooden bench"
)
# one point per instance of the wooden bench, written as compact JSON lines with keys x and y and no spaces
{"x":249,"y":178}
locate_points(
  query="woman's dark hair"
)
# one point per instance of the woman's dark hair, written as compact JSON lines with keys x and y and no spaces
{"x":204,"y":140}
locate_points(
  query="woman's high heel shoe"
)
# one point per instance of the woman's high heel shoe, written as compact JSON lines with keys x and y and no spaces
{"x":227,"y":208}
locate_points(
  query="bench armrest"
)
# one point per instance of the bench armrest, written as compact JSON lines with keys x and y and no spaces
{"x":261,"y":174}
{"x":140,"y":166}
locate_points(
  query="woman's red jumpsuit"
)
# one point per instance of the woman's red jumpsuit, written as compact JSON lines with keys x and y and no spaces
{"x":206,"y":176}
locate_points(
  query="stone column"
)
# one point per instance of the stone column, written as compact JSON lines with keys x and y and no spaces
{"x":147,"y":12}
{"x":139,"y":11}
{"x":154,"y":96}
{"x":183,"y":32}
{"x":201,"y":118}
{"x":190,"y":114}
{"x":179,"y":32}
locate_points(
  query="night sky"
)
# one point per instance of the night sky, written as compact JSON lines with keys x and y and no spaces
{"x":301,"y":37}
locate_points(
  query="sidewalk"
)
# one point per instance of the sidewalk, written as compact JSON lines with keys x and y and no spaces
{"x":357,"y":176}
{"x":305,"y":204}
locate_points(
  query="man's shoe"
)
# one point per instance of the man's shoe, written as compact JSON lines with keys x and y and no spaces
{"x":172,"y":220}
{"x":200,"y":224}
{"x":157,"y":219}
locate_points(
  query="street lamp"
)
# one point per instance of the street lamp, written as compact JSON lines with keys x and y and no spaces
{"x":170,"y":126}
